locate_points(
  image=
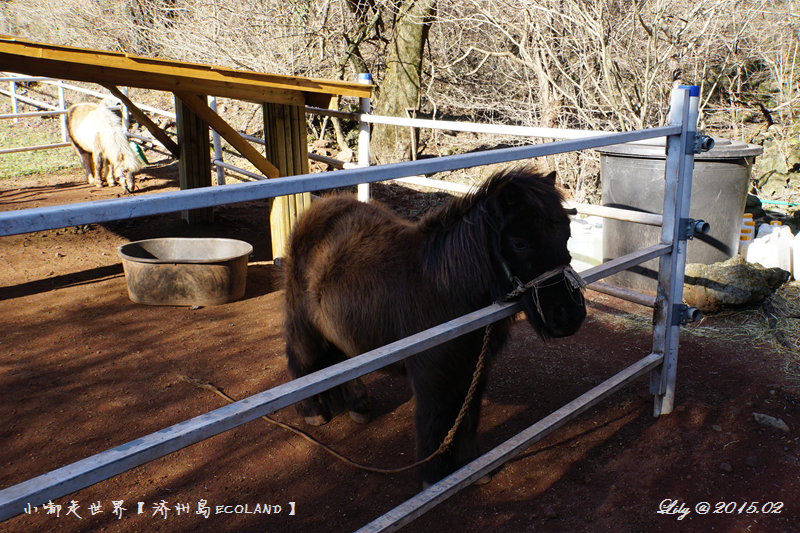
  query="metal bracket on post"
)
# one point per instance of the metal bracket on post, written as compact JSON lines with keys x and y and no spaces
{"x":691,"y":227}
{"x":682,"y":314}
{"x":702,"y":143}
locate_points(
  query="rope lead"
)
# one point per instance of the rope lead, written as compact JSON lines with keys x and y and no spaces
{"x":570,"y":276}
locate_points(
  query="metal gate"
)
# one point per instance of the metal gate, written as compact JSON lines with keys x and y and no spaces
{"x":681,"y":144}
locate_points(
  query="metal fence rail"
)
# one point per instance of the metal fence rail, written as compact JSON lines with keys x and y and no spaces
{"x":55,"y":217}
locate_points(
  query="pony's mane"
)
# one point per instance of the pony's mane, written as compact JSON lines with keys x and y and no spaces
{"x":461,"y":229}
{"x":534,"y":188}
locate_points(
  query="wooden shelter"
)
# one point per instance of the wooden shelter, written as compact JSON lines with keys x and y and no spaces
{"x":283,"y":99}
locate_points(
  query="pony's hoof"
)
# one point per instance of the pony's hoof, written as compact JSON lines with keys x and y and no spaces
{"x":317,"y":420}
{"x":361,"y":418}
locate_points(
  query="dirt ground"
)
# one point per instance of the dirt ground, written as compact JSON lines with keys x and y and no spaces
{"x":85,"y":369}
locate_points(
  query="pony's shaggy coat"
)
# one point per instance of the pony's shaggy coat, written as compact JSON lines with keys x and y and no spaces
{"x":358,"y":277}
{"x":100,"y":141}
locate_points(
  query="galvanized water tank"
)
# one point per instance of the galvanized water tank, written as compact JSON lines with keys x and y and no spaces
{"x":633,"y":178}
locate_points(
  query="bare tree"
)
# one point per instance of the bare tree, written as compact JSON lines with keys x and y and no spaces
{"x":401,"y":85}
{"x":604,"y":65}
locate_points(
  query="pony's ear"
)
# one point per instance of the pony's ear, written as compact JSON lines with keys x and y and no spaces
{"x":551,"y":176}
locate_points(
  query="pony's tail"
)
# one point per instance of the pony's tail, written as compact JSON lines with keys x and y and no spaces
{"x":116,"y":145}
{"x":132,"y":161}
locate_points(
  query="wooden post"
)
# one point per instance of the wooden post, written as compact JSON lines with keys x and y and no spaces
{"x":194,"y":163}
{"x":287,"y":149}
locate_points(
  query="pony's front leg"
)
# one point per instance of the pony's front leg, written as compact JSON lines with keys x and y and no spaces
{"x":129,"y":185}
{"x":308,"y":351}
{"x":86,"y":163}
{"x":305,"y":354}
{"x":108,"y":171}
{"x":99,"y":166}
{"x":437,"y":406}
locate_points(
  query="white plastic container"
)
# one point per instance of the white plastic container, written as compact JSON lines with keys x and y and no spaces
{"x":796,"y":256}
{"x":757,"y":251}
{"x":748,"y":224}
{"x":772,"y":248}
{"x":782,"y":245}
{"x":763,"y":230}
{"x":586,"y":242}
{"x":746,"y":233}
{"x":745,"y":240}
{"x":747,"y":220}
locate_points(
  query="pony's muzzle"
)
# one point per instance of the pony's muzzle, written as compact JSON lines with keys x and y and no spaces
{"x":556,"y":299}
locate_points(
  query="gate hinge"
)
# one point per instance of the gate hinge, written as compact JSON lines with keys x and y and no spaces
{"x":682,"y":314}
{"x":702,"y":143}
{"x":691,"y":227}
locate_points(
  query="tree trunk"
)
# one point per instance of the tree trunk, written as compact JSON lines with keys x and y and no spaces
{"x":400,"y":88}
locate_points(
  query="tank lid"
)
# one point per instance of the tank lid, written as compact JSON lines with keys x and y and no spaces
{"x":723,"y":149}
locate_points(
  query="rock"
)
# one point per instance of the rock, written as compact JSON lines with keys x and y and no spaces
{"x":550,"y":512}
{"x":771,"y":421}
{"x":346,"y":156}
{"x":730,"y":284}
{"x":322,"y":144}
{"x":716,"y":428}
{"x":725,"y":467}
{"x":793,"y":221}
{"x":752,"y":202}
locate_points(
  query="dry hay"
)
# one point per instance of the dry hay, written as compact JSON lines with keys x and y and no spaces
{"x":775,"y":325}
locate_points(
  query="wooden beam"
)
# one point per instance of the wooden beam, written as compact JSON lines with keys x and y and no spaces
{"x":287,"y":148}
{"x":96,"y":66}
{"x":194,"y":163}
{"x":202,"y":110}
{"x":325,"y":101}
{"x":143,"y":119}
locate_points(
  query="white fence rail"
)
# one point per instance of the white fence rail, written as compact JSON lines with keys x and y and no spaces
{"x":60,"y":109}
{"x":661,"y":362}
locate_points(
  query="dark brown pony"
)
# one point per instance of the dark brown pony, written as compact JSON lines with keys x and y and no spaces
{"x":358,"y":277}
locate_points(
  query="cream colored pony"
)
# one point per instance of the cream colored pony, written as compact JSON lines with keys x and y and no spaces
{"x":97,"y":135}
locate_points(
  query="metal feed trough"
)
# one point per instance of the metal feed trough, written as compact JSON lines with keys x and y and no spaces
{"x":660,"y":363}
{"x":185,"y":271}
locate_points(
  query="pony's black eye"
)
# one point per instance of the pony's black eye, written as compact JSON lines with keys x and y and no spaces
{"x":518,"y":245}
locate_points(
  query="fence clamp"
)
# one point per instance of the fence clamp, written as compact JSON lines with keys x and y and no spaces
{"x":691,"y":227}
{"x":682,"y":314}
{"x":702,"y":143}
